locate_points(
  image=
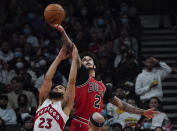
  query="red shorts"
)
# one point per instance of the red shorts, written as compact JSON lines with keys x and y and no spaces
{"x":78,"y":126}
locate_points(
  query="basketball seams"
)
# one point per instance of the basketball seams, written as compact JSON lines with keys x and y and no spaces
{"x":54,"y":14}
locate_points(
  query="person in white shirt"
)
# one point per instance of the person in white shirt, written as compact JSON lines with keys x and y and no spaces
{"x":7,"y":114}
{"x":148,"y":83}
{"x":157,"y":121}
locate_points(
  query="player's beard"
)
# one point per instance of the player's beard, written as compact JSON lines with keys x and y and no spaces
{"x":55,"y":95}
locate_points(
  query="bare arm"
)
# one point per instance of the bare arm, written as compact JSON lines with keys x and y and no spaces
{"x":131,"y":109}
{"x":47,"y":84}
{"x":66,"y":40}
{"x":70,"y":92}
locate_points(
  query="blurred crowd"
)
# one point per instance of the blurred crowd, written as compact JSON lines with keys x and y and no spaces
{"x":110,"y":30}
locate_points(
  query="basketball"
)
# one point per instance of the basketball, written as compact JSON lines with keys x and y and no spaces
{"x":54,"y":14}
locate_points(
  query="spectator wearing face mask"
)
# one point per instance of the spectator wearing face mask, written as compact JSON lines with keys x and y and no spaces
{"x":127,"y":39}
{"x":17,"y":66}
{"x":33,"y":40}
{"x":145,"y":124}
{"x":17,"y":89}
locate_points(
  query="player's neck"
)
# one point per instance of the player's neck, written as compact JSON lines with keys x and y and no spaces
{"x":55,"y":100}
{"x":92,"y":72}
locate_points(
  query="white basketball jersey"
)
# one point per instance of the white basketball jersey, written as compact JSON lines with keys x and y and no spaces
{"x":50,"y":117}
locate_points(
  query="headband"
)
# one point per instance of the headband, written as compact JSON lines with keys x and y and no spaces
{"x":97,"y":124}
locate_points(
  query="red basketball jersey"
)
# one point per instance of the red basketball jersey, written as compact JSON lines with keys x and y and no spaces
{"x":89,"y":98}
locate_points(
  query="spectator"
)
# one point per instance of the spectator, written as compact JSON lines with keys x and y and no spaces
{"x":17,"y":89}
{"x":113,"y":111}
{"x":5,"y":52}
{"x":158,"y":120}
{"x":127,"y":71}
{"x":28,"y":124}
{"x":148,"y":83}
{"x":158,"y":129}
{"x":121,"y":57}
{"x":33,"y":40}
{"x":23,"y":111}
{"x":128,"y":119}
{"x":7,"y":114}
{"x":5,"y":74}
{"x":146,"y":124}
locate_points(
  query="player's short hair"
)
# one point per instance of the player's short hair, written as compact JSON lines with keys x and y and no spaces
{"x":82,"y":55}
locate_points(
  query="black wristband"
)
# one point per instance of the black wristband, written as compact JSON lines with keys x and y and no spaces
{"x":97,"y":124}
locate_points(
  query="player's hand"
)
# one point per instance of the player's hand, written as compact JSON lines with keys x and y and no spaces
{"x":74,"y":52}
{"x":150,"y":113}
{"x":58,"y":27}
{"x":63,"y":53}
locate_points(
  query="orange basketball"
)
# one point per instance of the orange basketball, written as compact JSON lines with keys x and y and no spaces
{"x":54,"y":14}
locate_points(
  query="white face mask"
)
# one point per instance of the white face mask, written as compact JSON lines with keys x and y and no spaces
{"x":37,"y":65}
{"x":42,"y":62}
{"x":19,"y":65}
{"x":27,"y":58}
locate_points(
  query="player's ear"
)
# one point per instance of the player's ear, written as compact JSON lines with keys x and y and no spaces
{"x":94,"y":66}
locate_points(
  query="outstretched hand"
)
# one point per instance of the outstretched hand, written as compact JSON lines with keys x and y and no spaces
{"x":150,"y":113}
{"x":58,"y":27}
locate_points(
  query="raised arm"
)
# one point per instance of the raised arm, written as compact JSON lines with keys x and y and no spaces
{"x":70,"y":91}
{"x":47,"y":84}
{"x":132,"y":109}
{"x":66,"y":39}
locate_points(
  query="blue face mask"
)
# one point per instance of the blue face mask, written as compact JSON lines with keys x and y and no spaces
{"x":31,"y":16}
{"x":27,"y":31}
{"x":103,"y":112}
{"x":100,"y":22}
{"x":124,"y":8}
{"x":124,"y":20}
{"x":147,"y":125}
{"x":18,"y":54}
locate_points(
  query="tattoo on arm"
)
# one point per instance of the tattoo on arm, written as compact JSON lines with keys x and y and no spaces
{"x":131,"y":109}
{"x":126,"y":107}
